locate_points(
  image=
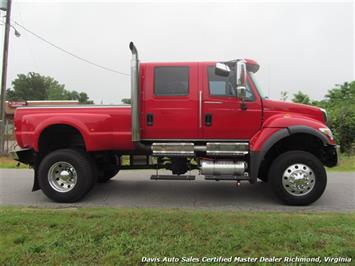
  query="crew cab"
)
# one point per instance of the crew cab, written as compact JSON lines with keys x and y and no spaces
{"x":206,"y":116}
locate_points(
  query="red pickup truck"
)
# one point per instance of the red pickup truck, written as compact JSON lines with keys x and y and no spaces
{"x":208,"y":116}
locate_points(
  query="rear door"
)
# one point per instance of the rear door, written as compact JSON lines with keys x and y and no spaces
{"x":170,"y":101}
{"x":222,"y":115}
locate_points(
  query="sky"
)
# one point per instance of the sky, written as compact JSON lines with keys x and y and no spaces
{"x":306,"y":46}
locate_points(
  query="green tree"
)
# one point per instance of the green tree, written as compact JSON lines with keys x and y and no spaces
{"x":126,"y":100}
{"x":340,"y":103}
{"x":29,"y":87}
{"x":301,"y":97}
{"x":34,"y":86}
{"x":84,"y":98}
{"x":284,"y":96}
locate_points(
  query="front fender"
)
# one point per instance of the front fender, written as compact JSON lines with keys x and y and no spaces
{"x":262,"y":142}
{"x":267,"y":137}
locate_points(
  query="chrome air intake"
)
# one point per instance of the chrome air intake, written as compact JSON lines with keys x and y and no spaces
{"x":135,"y":93}
{"x":227,"y":168}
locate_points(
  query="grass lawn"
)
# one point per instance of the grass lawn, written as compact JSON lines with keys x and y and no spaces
{"x":346,"y":163}
{"x":7,"y":162}
{"x":124,"y":236}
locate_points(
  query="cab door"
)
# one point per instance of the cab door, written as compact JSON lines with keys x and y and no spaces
{"x":169,"y":101}
{"x":222,"y":115}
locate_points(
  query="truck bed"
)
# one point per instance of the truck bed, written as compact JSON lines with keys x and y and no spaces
{"x":103,"y":127}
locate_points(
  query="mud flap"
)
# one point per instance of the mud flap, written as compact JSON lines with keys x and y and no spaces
{"x":28,"y":156}
{"x":35,"y":181}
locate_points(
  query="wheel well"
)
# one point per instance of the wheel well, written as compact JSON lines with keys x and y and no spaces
{"x":59,"y":137}
{"x":300,"y":141}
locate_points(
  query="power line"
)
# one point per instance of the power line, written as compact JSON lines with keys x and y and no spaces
{"x":68,"y":52}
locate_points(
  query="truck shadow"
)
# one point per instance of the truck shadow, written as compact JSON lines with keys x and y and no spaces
{"x":176,"y":194}
{"x":135,"y":189}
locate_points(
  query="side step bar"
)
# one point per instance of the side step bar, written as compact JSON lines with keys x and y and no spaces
{"x":192,"y":177}
{"x":172,"y":177}
{"x":227,"y":178}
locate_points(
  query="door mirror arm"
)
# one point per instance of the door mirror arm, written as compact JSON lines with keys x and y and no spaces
{"x":241,"y":82}
{"x":243,"y":106}
{"x":240,"y":74}
{"x":240,"y":93}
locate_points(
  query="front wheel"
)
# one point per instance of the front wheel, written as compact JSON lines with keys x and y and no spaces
{"x":297,"y":177}
{"x":66,"y":175}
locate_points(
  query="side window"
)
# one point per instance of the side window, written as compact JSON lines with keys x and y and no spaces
{"x":223,"y":86}
{"x":218,"y":85}
{"x":171,"y":81}
{"x":249,"y":95}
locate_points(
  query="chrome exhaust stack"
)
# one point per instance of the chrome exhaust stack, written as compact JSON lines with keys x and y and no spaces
{"x":135,"y":93}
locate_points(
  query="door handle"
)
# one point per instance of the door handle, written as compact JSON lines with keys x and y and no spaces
{"x":150,"y":119}
{"x":208,"y":120}
{"x":213,"y":102}
{"x":200,"y":109}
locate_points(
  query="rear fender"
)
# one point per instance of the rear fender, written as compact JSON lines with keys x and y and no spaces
{"x":60,"y":120}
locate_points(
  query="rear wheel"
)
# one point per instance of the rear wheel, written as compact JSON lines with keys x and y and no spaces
{"x":66,"y":175}
{"x":297,"y":177}
{"x":106,"y":172}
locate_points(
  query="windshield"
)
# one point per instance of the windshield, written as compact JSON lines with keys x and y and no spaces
{"x":261,"y":92}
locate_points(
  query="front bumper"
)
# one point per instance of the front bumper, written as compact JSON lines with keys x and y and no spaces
{"x":329,"y":155}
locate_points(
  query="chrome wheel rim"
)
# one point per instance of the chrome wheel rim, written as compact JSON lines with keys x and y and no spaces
{"x":298,"y":179}
{"x":62,"y":177}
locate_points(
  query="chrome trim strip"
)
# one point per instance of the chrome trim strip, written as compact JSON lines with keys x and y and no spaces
{"x":220,"y":140}
{"x":173,"y":149}
{"x":186,"y":144}
{"x":228,"y":145}
{"x":231,"y":148}
{"x":176,"y":153}
{"x":74,"y":107}
{"x":200,"y":148}
{"x":219,"y":153}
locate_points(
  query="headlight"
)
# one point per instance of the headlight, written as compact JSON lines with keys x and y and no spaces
{"x":326,"y":131}
{"x":325,"y":115}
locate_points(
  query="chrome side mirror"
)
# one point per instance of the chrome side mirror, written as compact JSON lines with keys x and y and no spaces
{"x":241,"y":76}
{"x":222,"y":70}
{"x":241,"y":83}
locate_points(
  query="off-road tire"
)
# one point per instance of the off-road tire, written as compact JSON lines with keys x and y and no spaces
{"x":85,"y":174}
{"x":285,"y":160}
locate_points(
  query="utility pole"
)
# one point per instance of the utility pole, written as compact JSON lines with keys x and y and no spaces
{"x":4,"y":76}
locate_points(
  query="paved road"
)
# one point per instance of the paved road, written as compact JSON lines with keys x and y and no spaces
{"x":135,"y":189}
